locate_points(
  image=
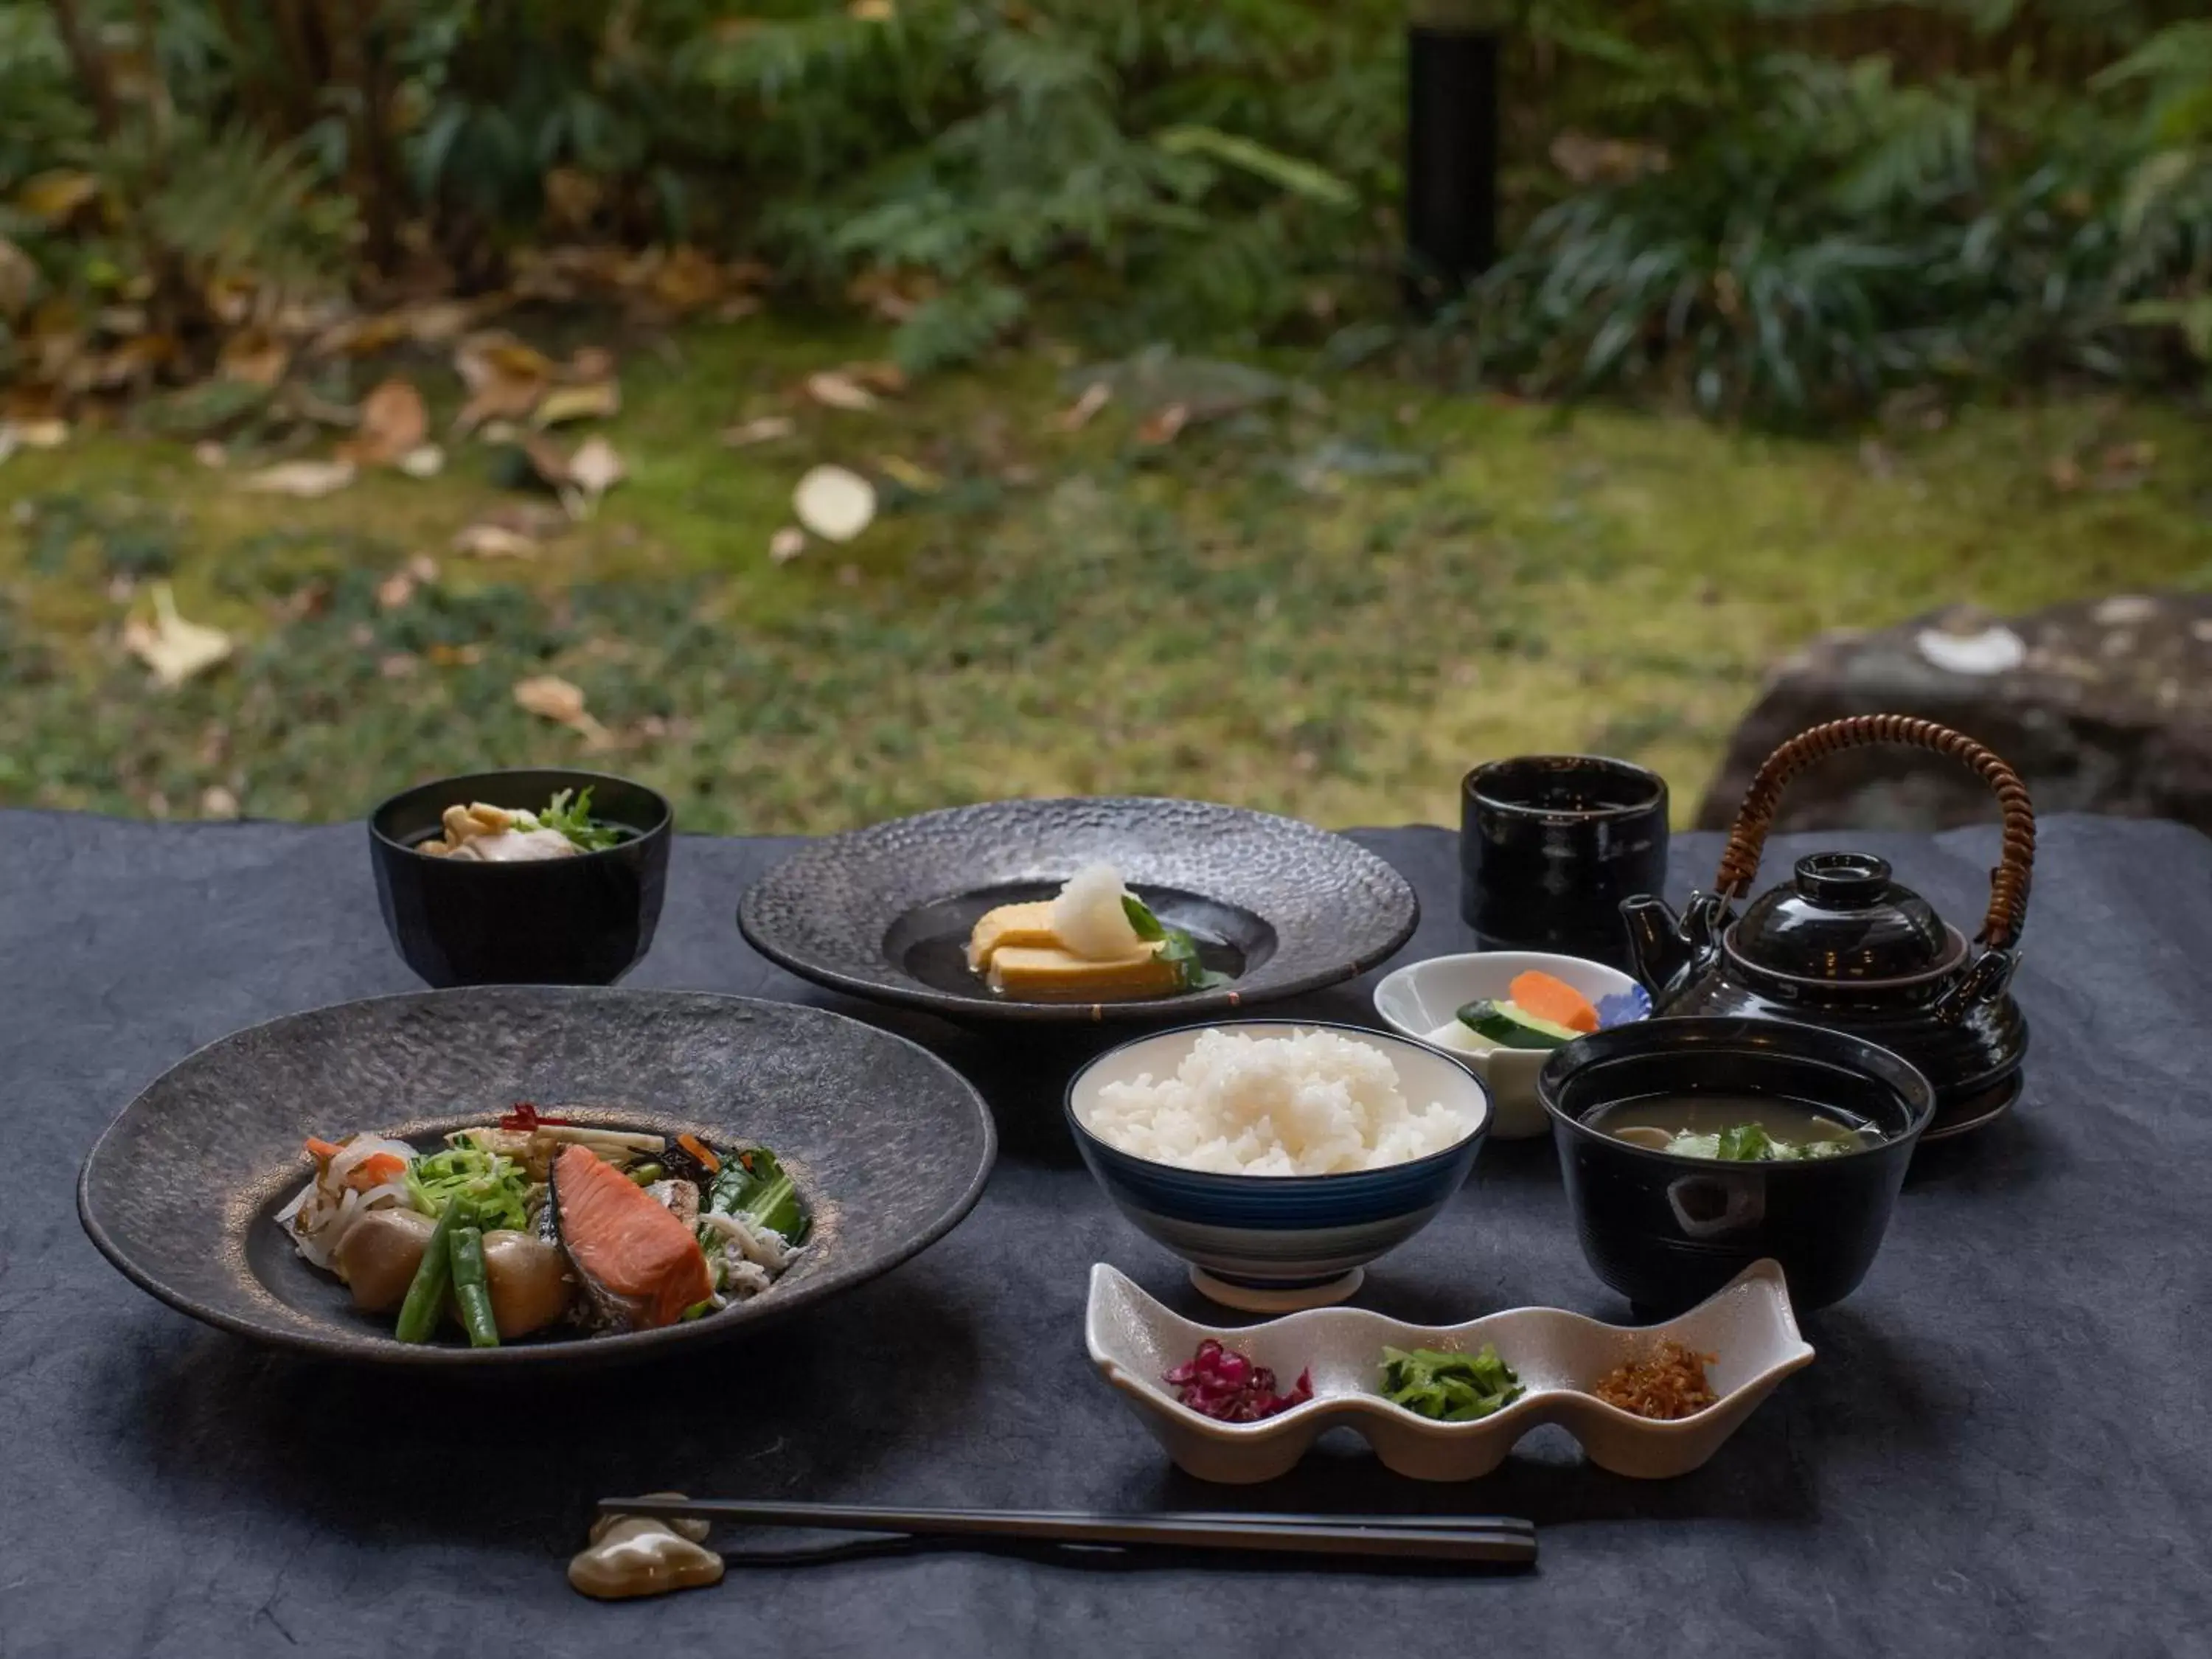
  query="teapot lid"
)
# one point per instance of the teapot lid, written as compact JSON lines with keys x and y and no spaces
{"x":1842,"y":918}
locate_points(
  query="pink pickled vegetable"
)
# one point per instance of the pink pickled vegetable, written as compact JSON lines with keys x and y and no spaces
{"x":1225,"y":1385}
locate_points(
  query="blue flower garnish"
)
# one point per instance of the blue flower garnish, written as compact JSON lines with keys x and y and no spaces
{"x":1624,"y":1009}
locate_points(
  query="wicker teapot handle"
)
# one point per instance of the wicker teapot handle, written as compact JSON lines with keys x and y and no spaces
{"x":2009,"y":882}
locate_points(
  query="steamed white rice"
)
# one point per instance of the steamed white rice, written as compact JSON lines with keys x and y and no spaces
{"x":1316,"y":1103}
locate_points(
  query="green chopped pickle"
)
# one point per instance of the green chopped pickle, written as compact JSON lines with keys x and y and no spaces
{"x":1451,"y":1388}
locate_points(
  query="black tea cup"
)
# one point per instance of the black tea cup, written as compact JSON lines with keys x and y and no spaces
{"x":1549,"y":846}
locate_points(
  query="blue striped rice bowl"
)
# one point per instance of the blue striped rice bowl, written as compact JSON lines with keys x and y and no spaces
{"x":1279,"y":1232}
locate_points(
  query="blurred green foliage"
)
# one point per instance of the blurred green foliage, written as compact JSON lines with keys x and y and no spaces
{"x":1810,"y":230}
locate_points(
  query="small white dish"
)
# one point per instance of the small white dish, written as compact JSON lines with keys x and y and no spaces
{"x":1747,"y":1324}
{"x":1422,"y":1001}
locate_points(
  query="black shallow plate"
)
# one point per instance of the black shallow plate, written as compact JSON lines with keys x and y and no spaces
{"x":889,"y":1146}
{"x":885,"y":911}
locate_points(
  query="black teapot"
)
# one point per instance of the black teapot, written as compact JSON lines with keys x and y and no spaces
{"x":1844,"y":945}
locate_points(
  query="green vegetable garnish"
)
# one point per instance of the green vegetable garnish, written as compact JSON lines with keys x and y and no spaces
{"x":1451,"y":1388}
{"x":1747,"y":1143}
{"x":752,"y":1184}
{"x":646,"y":1173}
{"x":494,"y":1186}
{"x":426,"y":1291}
{"x":575,"y":822}
{"x":471,"y":1288}
{"x":1177,"y":946}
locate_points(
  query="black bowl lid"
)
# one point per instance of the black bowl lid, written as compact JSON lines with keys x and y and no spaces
{"x":1842,"y":918}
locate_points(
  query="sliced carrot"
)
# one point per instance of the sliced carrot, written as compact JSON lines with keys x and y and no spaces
{"x":700,"y":1150}
{"x":324,"y":1148}
{"x":1555,"y":999}
{"x":374,"y":1171}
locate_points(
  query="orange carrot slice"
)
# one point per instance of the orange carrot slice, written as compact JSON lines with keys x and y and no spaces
{"x":1555,"y":999}
{"x":700,"y":1150}
{"x":374,"y":1171}
{"x":324,"y":1148}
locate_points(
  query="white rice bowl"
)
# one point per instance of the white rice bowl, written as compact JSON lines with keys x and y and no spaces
{"x":1308,"y":1103}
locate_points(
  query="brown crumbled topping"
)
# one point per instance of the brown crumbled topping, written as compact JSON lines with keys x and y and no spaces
{"x":1669,"y":1383}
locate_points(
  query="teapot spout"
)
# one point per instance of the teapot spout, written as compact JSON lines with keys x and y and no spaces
{"x":1659,"y":946}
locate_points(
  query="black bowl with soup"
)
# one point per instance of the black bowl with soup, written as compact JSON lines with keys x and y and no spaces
{"x":1692,"y":1147}
{"x":583,"y":918}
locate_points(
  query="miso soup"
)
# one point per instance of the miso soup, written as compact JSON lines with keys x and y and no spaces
{"x":1738,"y":1128}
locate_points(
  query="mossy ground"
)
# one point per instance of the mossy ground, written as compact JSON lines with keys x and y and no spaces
{"x":1327,"y":605}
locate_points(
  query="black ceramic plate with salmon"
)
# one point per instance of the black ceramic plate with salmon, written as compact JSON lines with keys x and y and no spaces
{"x":889,"y":1146}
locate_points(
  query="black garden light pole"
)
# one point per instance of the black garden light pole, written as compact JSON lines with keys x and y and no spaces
{"x":1451,"y":142}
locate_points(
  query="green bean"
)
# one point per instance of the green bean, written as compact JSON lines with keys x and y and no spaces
{"x":426,"y":1292}
{"x":646,"y":1173}
{"x":469,"y":1289}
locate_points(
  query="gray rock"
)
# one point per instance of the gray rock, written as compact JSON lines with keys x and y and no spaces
{"x":2102,"y":705}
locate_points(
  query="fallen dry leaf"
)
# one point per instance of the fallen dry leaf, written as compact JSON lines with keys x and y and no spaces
{"x":592,"y":401}
{"x":550,"y":697}
{"x":217,"y":802}
{"x":50,"y":432}
{"x":834,"y":389}
{"x":174,"y":648}
{"x":871,"y":11}
{"x":304,"y":479}
{"x":595,"y":468}
{"x":1078,"y":415}
{"x":394,"y":422}
{"x":454,"y":656}
{"x":878,"y":375}
{"x":589,"y":363}
{"x":505,"y":377}
{"x":423,"y":461}
{"x":2064,"y":473}
{"x":492,"y":541}
{"x":916,"y":478}
{"x":786,"y":545}
{"x":687,"y":280}
{"x":1161,"y":426}
{"x":893,"y":295}
{"x":19,"y":279}
{"x":835,"y":503}
{"x":572,"y":196}
{"x":255,"y":357}
{"x":767,"y":429}
{"x":57,"y":197}
{"x":535,"y":519}
{"x":210,"y":454}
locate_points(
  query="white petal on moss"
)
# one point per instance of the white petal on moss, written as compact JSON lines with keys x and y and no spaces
{"x":834,"y":503}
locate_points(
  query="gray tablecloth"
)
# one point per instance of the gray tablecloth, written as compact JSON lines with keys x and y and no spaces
{"x":2004,"y":1446}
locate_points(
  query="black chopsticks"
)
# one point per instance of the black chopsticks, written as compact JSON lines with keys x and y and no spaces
{"x":1483,"y":1540}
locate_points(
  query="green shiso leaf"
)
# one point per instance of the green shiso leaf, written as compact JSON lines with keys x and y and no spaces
{"x":1177,"y":946}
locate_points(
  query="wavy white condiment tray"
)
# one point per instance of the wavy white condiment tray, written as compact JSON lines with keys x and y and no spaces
{"x":1134,"y":1340}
